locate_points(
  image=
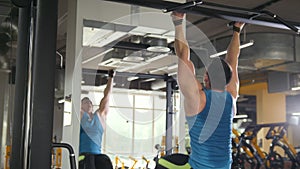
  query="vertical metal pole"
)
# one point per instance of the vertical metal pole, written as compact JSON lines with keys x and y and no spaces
{"x":17,"y":155}
{"x":169,"y":116}
{"x":43,"y":84}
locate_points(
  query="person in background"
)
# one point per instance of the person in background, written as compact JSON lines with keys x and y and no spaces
{"x":92,"y":126}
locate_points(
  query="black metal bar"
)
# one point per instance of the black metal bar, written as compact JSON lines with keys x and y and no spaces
{"x":43,"y":84}
{"x":124,"y":74}
{"x":183,"y":6}
{"x":231,"y":8}
{"x":71,"y":152}
{"x":169,"y":115}
{"x":279,"y":19}
{"x":199,"y":10}
{"x":129,"y":45}
{"x":22,"y":60}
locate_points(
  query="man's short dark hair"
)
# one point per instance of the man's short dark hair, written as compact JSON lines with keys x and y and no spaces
{"x":86,"y":98}
{"x":219,"y":73}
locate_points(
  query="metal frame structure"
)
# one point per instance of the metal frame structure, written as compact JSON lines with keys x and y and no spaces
{"x":219,"y":11}
{"x":22,"y":62}
{"x":44,"y":30}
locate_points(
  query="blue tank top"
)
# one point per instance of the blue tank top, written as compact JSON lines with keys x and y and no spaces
{"x":91,"y":132}
{"x":210,"y":132}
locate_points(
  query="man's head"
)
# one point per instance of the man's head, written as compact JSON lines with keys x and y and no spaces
{"x":86,"y":105}
{"x":218,"y":74}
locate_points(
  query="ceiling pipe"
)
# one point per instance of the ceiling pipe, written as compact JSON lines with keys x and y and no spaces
{"x":238,"y":14}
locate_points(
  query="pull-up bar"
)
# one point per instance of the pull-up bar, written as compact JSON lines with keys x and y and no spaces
{"x":219,"y":11}
{"x":125,"y":74}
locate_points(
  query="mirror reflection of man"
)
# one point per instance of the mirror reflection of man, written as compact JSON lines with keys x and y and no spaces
{"x":92,"y":126}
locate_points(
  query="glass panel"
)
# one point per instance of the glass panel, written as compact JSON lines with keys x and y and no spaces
{"x":143,"y":132}
{"x":160,"y":102}
{"x":159,"y":126}
{"x":121,"y":100}
{"x":118,"y":138}
{"x":143,"y":101}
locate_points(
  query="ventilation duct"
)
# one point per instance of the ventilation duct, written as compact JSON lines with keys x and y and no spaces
{"x":271,"y":51}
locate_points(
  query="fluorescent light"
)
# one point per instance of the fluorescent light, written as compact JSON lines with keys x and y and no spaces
{"x":96,"y":56}
{"x":149,"y":80}
{"x":132,"y":78}
{"x":61,"y":101}
{"x":296,"y":114}
{"x":173,"y":67}
{"x":225,"y":51}
{"x":218,"y":54}
{"x":295,"y":88}
{"x":247,"y":44}
{"x":173,"y":73}
{"x":158,"y":57}
{"x":241,"y":116}
{"x":158,"y":69}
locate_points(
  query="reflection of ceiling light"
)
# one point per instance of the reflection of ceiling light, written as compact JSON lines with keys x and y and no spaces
{"x":159,"y":84}
{"x":173,"y":67}
{"x":161,"y":49}
{"x":65,"y":99}
{"x":296,"y":114}
{"x":157,"y":70}
{"x":295,"y":88}
{"x":171,"y":74}
{"x":149,"y":80}
{"x":133,"y":59}
{"x":132,"y":78}
{"x":241,"y":47}
{"x":241,"y":116}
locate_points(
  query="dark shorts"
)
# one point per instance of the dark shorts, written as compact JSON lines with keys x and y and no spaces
{"x":95,"y":161}
{"x":179,"y":160}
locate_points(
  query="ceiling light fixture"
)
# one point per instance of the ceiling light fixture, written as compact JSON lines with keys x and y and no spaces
{"x":134,"y":57}
{"x":157,"y":45}
{"x":225,"y":51}
{"x":295,"y":88}
{"x":173,"y":73}
{"x":149,"y":80}
{"x":241,"y":116}
{"x":175,"y":66}
{"x":158,"y":70}
{"x":296,"y":114}
{"x":132,"y":78}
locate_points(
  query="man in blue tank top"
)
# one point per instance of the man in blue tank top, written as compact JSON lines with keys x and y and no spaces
{"x":92,"y":126}
{"x":209,"y":107}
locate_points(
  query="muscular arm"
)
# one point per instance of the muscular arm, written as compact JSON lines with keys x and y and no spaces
{"x":188,"y":83}
{"x":232,"y":56}
{"x":104,"y":103}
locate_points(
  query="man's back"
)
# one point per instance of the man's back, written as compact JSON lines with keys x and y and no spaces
{"x":210,"y":132}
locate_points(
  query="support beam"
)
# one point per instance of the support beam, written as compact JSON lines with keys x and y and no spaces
{"x":123,"y":74}
{"x":22,"y":61}
{"x":169,"y":115}
{"x":43,"y":84}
